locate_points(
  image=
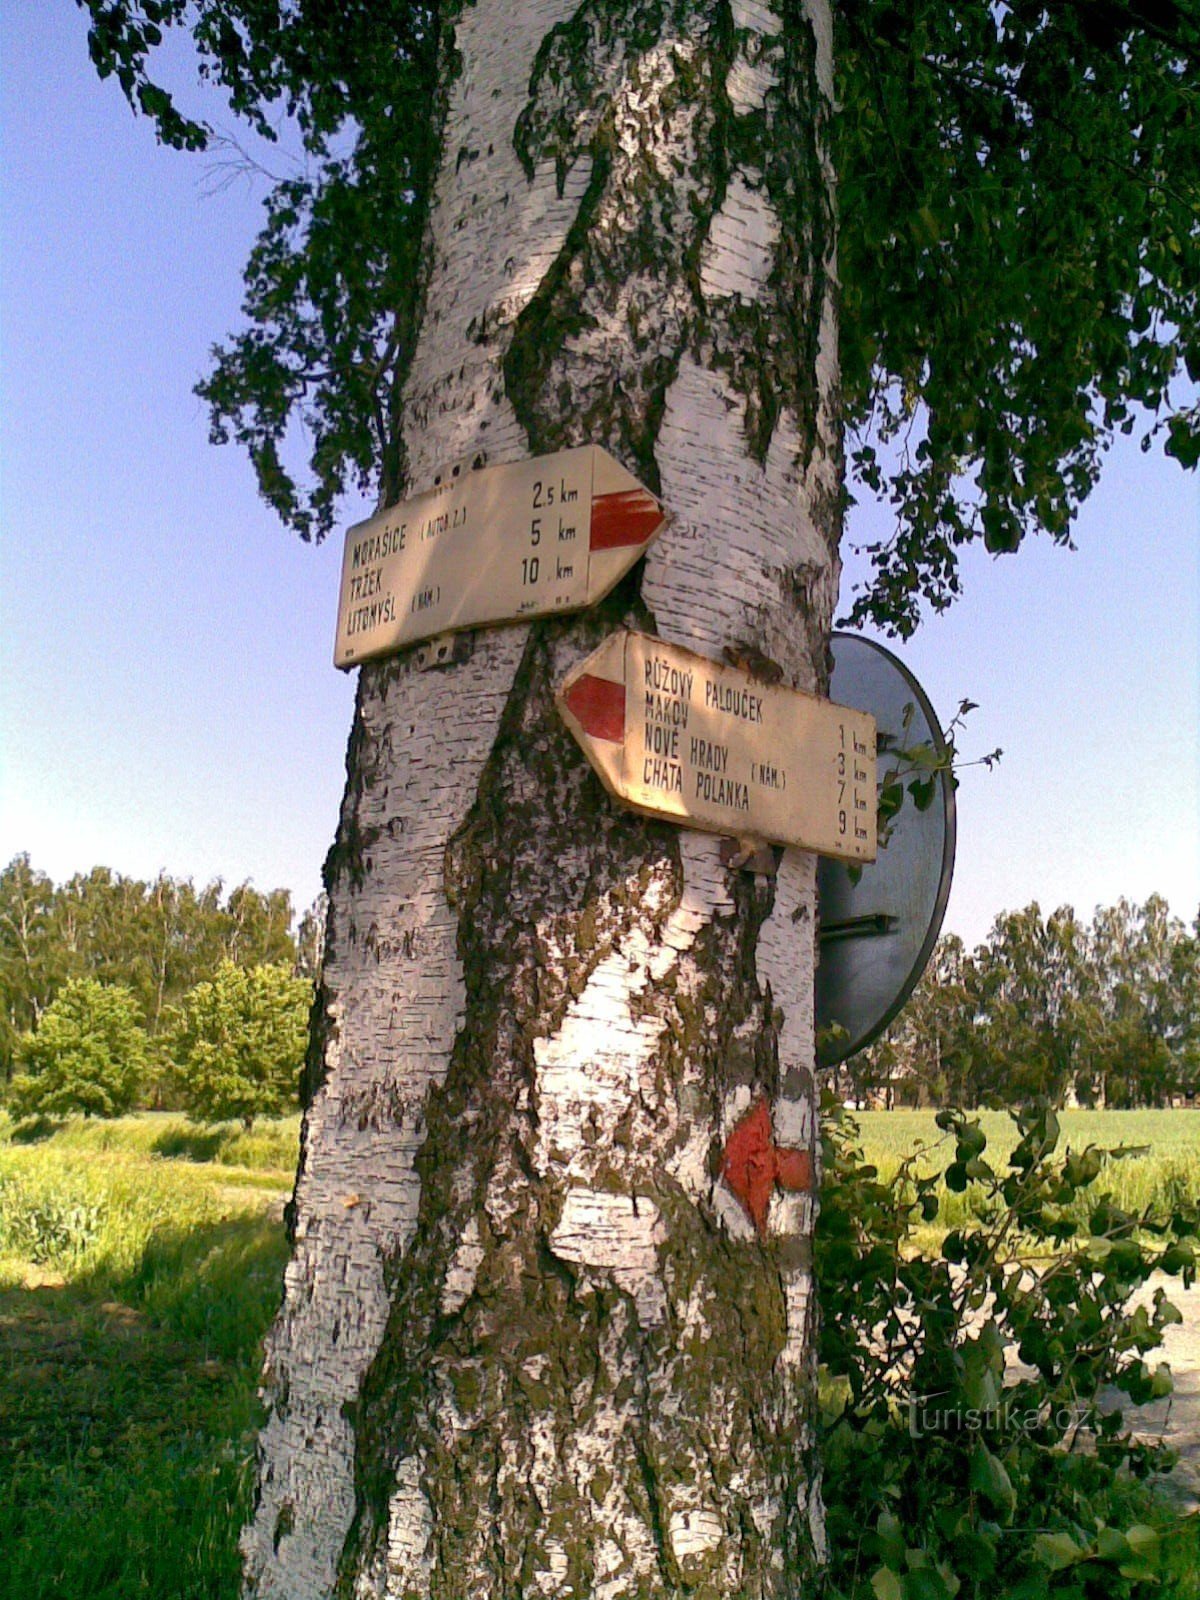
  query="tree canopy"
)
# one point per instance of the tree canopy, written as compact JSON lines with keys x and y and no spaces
{"x":1019,"y":249}
{"x":1048,"y":1008}
{"x":237,"y":1043}
{"x":88,"y":1054}
{"x":157,"y":939}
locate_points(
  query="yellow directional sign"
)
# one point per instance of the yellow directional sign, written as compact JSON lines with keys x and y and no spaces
{"x":498,"y":545}
{"x":678,"y":736}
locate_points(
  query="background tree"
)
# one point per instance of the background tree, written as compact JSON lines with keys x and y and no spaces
{"x":181,"y":934}
{"x":1144,"y":1005}
{"x":929,"y":1053}
{"x":31,"y":953}
{"x":237,"y":1043}
{"x":1185,"y":988}
{"x":521,"y":228}
{"x":158,"y":938}
{"x":1047,"y":1008}
{"x":1030,"y":1033}
{"x":88,"y":1053}
{"x":310,"y":940}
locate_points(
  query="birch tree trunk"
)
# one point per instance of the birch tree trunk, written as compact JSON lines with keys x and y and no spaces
{"x":531,"y":1343}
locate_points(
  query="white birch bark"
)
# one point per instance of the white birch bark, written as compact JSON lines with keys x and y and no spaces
{"x":575,"y":1168}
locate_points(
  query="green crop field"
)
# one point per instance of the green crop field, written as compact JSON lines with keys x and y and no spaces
{"x":140,"y":1266}
{"x":1171,"y":1135}
{"x":1164,"y":1171}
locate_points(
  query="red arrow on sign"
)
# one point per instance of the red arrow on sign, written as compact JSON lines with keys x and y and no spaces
{"x":598,"y":705}
{"x":630,"y":517}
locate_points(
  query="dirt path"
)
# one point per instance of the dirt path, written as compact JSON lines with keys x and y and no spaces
{"x":1177,"y":1418}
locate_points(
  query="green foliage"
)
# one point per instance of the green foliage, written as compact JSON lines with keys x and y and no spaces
{"x":1019,"y":252}
{"x":1020,"y":261}
{"x":1048,"y":1007}
{"x":913,"y":769}
{"x":88,"y":1053}
{"x":949,"y":1472}
{"x":156,"y":938}
{"x":238,"y":1043}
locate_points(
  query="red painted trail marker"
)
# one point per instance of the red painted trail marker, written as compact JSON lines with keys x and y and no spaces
{"x":499,"y":545}
{"x":705,"y":744}
{"x":753,"y":1164}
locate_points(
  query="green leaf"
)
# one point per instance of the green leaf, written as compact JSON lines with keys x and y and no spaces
{"x":1143,"y":1540}
{"x":923,"y":791}
{"x":1112,"y":1545}
{"x":926,"y":1583}
{"x":1183,"y":441}
{"x":887,"y":1585}
{"x":891,"y":1539}
{"x":990,"y":1478}
{"x":1176,"y":1258}
{"x":1161,"y":1382}
{"x":972,"y":1141}
{"x":1057,"y":1551}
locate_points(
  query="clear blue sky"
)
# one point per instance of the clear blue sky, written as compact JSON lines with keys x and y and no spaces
{"x":168,"y":699}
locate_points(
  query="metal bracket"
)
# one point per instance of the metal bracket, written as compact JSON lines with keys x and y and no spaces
{"x":750,"y":855}
{"x":872,"y":925}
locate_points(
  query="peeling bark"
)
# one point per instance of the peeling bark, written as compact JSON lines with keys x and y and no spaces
{"x":531,"y":1342}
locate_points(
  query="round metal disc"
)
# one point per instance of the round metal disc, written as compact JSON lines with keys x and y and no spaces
{"x":876,"y":935}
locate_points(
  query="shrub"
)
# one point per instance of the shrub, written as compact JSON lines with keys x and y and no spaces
{"x":949,"y":1471}
{"x":237,"y":1043}
{"x":88,"y":1053}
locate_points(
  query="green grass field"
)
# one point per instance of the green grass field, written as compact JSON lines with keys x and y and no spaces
{"x":140,"y":1266}
{"x":1167,"y":1173}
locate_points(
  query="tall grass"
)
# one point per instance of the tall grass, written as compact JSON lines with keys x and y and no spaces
{"x":270,"y":1146}
{"x":139,"y":1270}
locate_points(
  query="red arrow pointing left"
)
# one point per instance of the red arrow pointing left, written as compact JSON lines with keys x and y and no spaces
{"x":598,"y":704}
